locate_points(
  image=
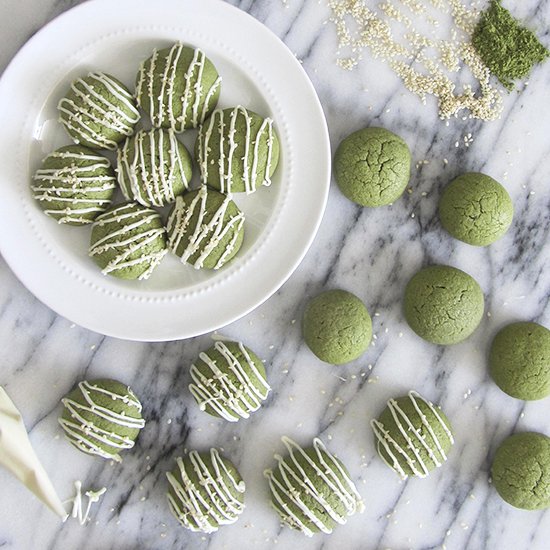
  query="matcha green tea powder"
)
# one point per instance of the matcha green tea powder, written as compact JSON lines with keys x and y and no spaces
{"x":505,"y":46}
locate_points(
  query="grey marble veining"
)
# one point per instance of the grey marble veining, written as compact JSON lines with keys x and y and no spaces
{"x":371,"y":252}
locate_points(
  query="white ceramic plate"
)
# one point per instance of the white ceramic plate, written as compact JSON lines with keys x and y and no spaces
{"x":178,"y":301}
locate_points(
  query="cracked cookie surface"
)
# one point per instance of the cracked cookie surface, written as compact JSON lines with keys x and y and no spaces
{"x":372,"y":167}
{"x":443,"y":305}
{"x":476,"y":209}
{"x":521,"y":470}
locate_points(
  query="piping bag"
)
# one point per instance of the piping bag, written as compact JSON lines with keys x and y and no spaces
{"x":17,"y":456}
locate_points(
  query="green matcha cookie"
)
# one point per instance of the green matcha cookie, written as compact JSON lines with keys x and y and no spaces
{"x":153,"y":167}
{"x":206,"y":491}
{"x":102,"y":417}
{"x":521,"y":471}
{"x":205,"y":228}
{"x":98,"y":111}
{"x":443,"y":305}
{"x":476,"y":209}
{"x":177,"y":87}
{"x":337,"y":326}
{"x":412,"y":435}
{"x":128,"y":241}
{"x":74,"y":185}
{"x":519,"y":360}
{"x":372,"y":167}
{"x":229,"y":381}
{"x":237,"y":150}
{"x":311,"y":489}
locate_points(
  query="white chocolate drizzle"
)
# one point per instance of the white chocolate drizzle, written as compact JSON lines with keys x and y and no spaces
{"x":204,"y":237}
{"x":91,"y":108}
{"x":325,"y":474}
{"x":77,"y":505}
{"x":218,"y":390}
{"x":141,"y":167}
{"x":224,"y":122}
{"x":88,"y":437}
{"x":210,"y":503}
{"x":416,"y":442}
{"x":60,"y":185}
{"x":128,"y":218}
{"x":161,"y":106}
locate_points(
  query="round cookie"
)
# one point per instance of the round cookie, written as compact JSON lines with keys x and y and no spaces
{"x":443,"y":304}
{"x":206,"y":491}
{"x":519,"y":360}
{"x":337,"y":326}
{"x":177,"y":87}
{"x":128,"y":241}
{"x":205,"y":228}
{"x":237,"y":150}
{"x":229,"y":381}
{"x":98,"y":111}
{"x":153,"y":167}
{"x":74,"y":185}
{"x":412,"y":435}
{"x":521,"y":471}
{"x":476,"y":209}
{"x":311,"y":489}
{"x":372,"y":167}
{"x":102,"y":417}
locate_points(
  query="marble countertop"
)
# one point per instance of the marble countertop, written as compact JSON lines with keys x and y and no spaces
{"x":371,"y":252}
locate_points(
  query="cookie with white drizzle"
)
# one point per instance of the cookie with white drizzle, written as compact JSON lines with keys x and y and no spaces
{"x":98,"y":111}
{"x":128,"y":241}
{"x":206,"y":491}
{"x":205,"y":228}
{"x":413,"y":436}
{"x":178,"y":87}
{"x":102,"y":417}
{"x":237,"y":150}
{"x":74,"y":185}
{"x":311,"y":489}
{"x":229,"y":381}
{"x":153,"y":167}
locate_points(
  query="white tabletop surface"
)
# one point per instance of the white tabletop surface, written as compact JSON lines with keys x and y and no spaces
{"x":371,"y":252}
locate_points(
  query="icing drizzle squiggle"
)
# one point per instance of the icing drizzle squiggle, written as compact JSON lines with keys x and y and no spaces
{"x":88,"y":437}
{"x":324,"y":473}
{"x":205,"y":236}
{"x":129,"y":218}
{"x":90,"y":107}
{"x":415,"y":444}
{"x":230,"y":400}
{"x":224,"y":122}
{"x":210,"y":503}
{"x":60,"y":185}
{"x":77,"y":508}
{"x":142,"y":174}
{"x":161,"y":106}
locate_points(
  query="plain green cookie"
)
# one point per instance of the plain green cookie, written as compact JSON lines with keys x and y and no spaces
{"x":412,"y":435}
{"x":476,"y":209}
{"x":102,"y":417}
{"x":521,"y":471}
{"x":372,"y":167}
{"x":337,"y":326}
{"x":519,"y":360}
{"x":443,"y":304}
{"x":128,"y":241}
{"x":205,"y":228}
{"x":74,"y":185}
{"x":177,"y":87}
{"x":206,"y":491}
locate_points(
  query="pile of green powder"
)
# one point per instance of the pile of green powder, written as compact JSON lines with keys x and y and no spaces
{"x":505,"y":46}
